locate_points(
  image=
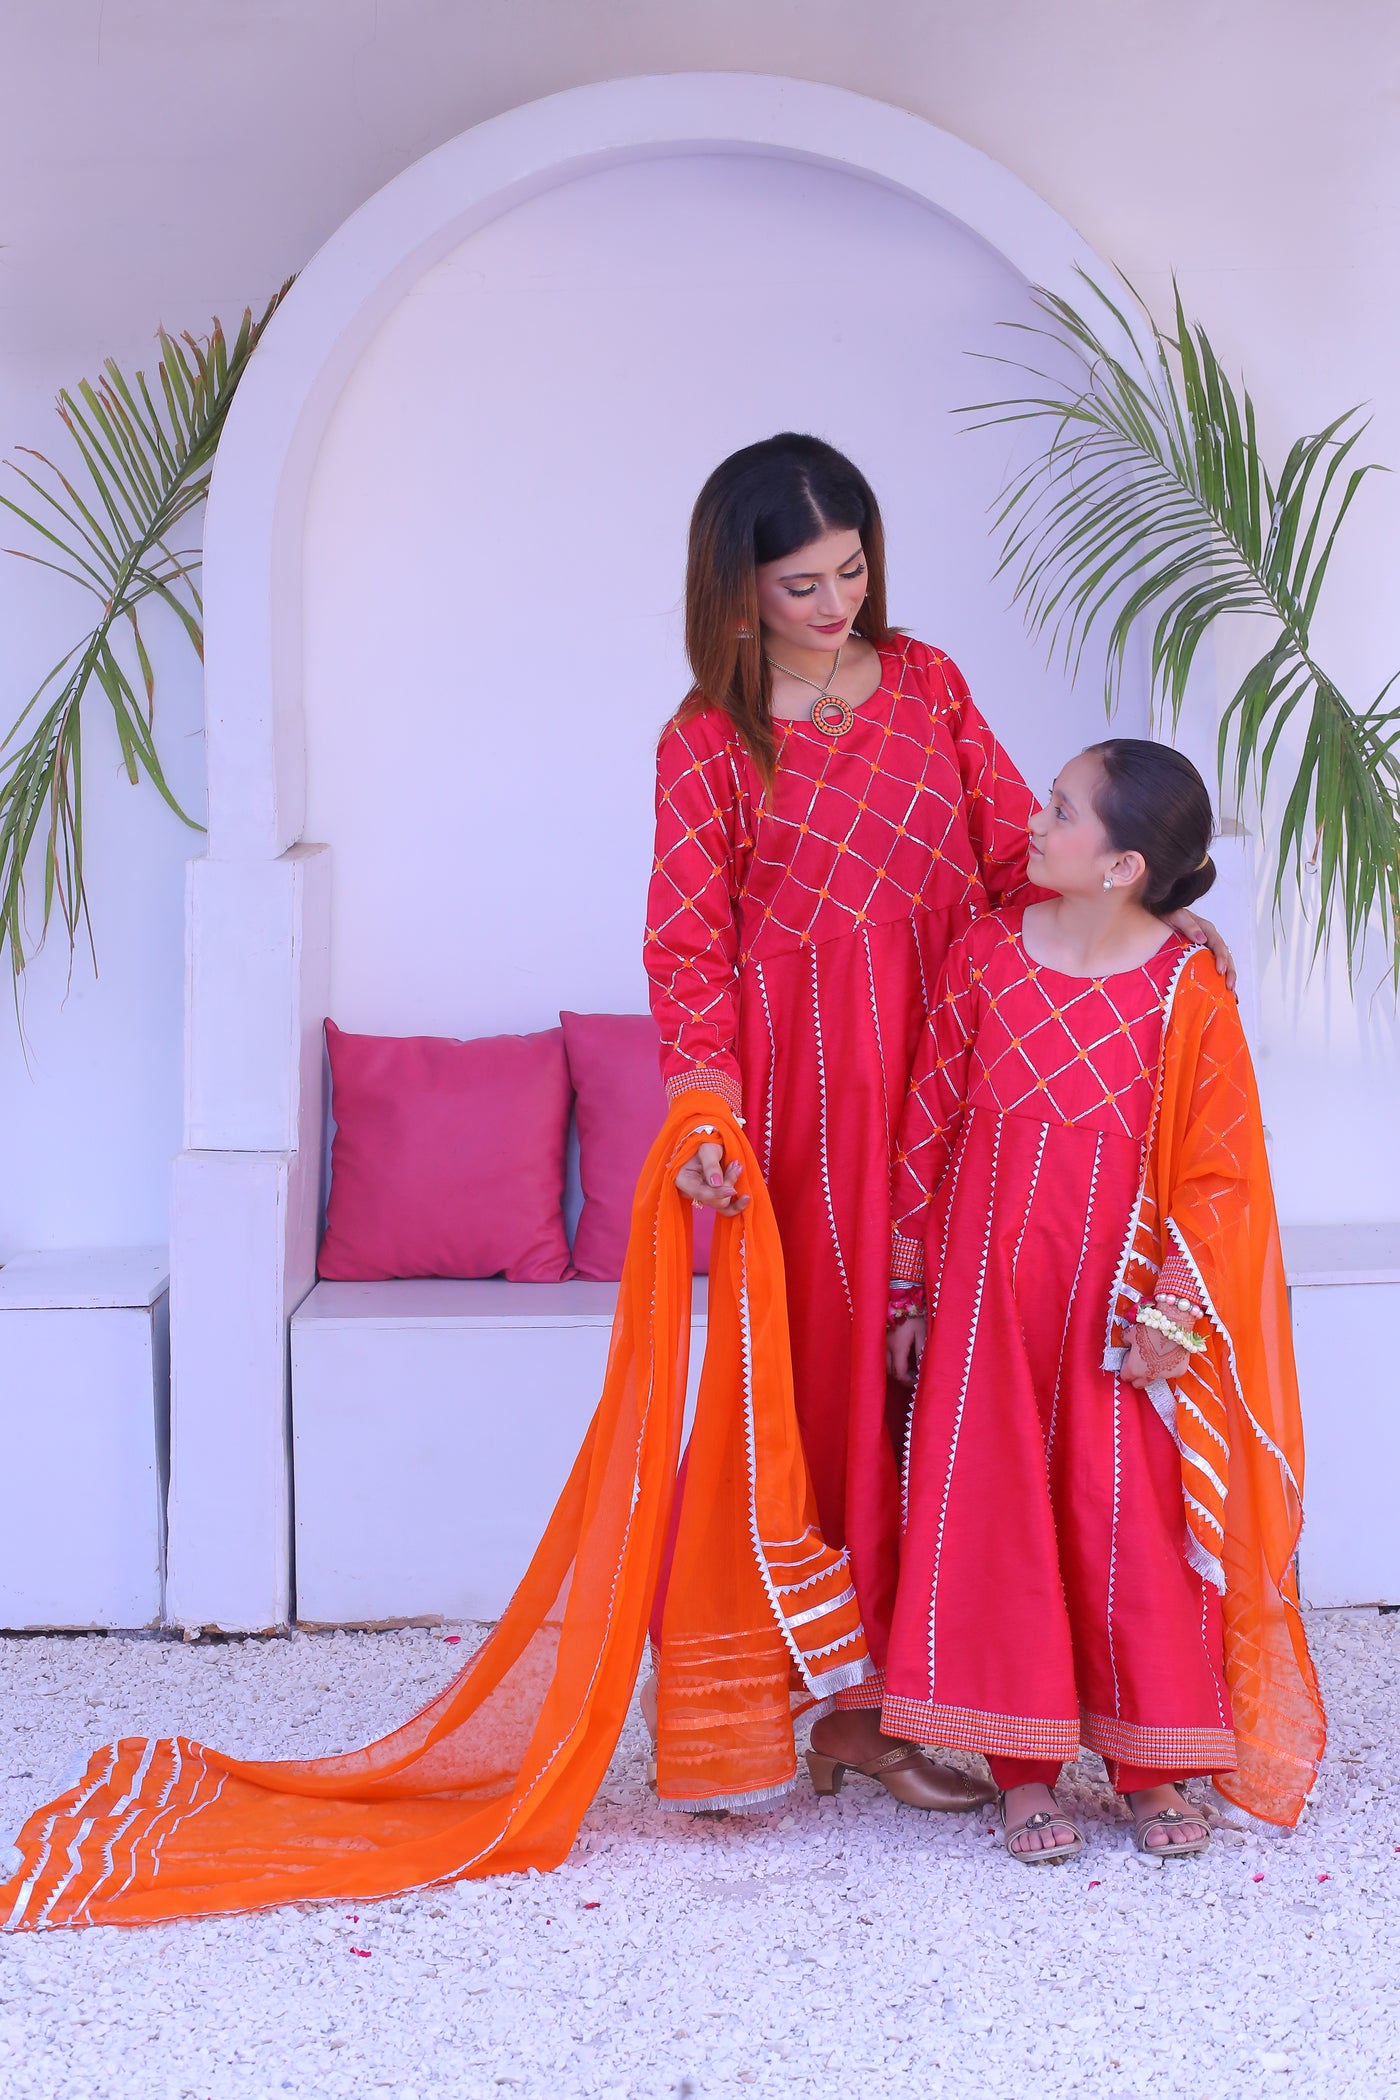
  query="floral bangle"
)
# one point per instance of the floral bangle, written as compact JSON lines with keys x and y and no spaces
{"x":906,"y":1302}
{"x":1148,"y":1316}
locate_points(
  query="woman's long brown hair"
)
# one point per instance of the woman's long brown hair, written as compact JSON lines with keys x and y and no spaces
{"x":758,"y":506}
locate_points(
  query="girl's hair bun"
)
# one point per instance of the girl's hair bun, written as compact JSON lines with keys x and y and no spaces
{"x":1154,"y":802}
{"x":1187,"y":888}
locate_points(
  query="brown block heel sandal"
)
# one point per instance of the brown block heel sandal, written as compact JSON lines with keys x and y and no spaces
{"x":905,"y":1773}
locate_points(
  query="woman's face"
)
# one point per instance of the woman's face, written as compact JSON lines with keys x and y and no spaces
{"x":809,"y":598}
{"x":1070,"y":850}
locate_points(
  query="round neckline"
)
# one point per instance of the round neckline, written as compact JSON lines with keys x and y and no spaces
{"x":1104,"y":976}
{"x":883,"y":651}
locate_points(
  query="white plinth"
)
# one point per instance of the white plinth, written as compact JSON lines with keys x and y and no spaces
{"x":84,"y":1426}
{"x":434,"y":1424}
{"x":1345,"y":1288}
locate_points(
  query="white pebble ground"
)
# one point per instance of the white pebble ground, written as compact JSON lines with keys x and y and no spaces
{"x":849,"y":1947}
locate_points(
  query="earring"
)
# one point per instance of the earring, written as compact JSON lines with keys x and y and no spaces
{"x":743,"y":634}
{"x":1108,"y":882}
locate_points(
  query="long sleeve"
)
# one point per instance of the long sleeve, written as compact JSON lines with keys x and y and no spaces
{"x":999,"y":805}
{"x":691,"y":949}
{"x":933,"y":1109}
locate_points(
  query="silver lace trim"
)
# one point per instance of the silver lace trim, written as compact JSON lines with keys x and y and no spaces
{"x":761,"y":1797}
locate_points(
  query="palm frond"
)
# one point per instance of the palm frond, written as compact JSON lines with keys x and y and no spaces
{"x":108,"y":521}
{"x":1150,"y":500}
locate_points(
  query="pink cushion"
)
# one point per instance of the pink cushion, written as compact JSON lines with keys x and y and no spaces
{"x":614,"y":1061}
{"x":448,"y":1157}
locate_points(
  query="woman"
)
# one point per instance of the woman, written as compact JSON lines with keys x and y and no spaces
{"x":832,"y":811}
{"x":1102,"y":1494}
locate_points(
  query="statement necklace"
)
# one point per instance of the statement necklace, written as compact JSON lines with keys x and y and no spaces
{"x":829,"y":711}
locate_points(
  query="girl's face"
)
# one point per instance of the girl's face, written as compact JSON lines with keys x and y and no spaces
{"x":1070,"y":851}
{"x":809,"y":598}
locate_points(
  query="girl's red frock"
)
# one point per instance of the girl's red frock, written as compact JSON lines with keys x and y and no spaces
{"x":792,"y":945}
{"x":1046,"y":1598}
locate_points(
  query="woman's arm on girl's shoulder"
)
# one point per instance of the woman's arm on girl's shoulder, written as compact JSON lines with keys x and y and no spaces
{"x":997,"y":804}
{"x":691,"y":946}
{"x":1192,"y":927}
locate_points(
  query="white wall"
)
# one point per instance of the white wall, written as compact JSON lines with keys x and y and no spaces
{"x":159,"y":163}
{"x":495,"y":550}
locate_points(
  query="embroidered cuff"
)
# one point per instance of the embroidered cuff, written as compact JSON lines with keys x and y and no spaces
{"x":708,"y":1080}
{"x":906,"y":1260}
{"x":1177,"y":1279}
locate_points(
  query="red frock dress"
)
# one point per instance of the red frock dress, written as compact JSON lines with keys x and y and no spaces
{"x":793,"y":942}
{"x":1045,"y":1596}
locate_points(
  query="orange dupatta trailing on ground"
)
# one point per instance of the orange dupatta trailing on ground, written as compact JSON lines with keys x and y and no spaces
{"x":497,"y":1772}
{"x":1234,"y":1413}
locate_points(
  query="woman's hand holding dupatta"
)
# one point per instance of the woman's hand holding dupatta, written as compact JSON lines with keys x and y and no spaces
{"x":705,"y":1179}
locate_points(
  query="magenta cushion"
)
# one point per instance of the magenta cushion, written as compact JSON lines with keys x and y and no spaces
{"x":448,"y":1158}
{"x":614,"y":1061}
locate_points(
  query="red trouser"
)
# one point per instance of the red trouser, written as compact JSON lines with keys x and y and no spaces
{"x":1037,"y":1771}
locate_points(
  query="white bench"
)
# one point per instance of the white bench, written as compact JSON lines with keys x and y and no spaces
{"x":434,"y":1423}
{"x":85,"y":1431}
{"x":433,"y":1426}
{"x":1344,"y":1283}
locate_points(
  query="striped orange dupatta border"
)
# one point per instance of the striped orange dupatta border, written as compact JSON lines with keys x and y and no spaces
{"x":496,"y":1773}
{"x":1234,"y":1412}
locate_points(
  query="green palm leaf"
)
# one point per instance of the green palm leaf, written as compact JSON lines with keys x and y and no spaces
{"x":108,"y":521}
{"x":1149,"y":499}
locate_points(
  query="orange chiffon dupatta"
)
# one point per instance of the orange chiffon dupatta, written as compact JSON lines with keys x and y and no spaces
{"x":1234,"y":1413}
{"x":496,"y":1773}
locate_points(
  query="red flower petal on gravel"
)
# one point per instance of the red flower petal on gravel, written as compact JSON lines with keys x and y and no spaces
{"x":590,"y":1906}
{"x":450,"y":1640}
{"x":1259,"y":1877}
{"x":1096,"y":1884}
{"x":363,"y":1952}
{"x":1324,"y":1877}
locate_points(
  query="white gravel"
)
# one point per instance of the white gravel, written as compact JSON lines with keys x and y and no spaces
{"x":835,"y":1947}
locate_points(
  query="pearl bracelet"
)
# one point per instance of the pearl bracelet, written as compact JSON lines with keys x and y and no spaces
{"x":1148,"y":1316}
{"x":1186,"y":1305}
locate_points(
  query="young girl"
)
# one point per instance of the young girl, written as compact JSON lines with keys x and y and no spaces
{"x":1104,"y":1458}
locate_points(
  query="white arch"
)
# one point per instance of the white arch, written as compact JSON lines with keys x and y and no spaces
{"x":253,"y":534}
{"x":245,"y":1194}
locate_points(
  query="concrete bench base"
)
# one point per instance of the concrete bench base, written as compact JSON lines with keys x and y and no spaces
{"x":1345,"y":1288}
{"x":434,"y":1424}
{"x":85,"y":1429}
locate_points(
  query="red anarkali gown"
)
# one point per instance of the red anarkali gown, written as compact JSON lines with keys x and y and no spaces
{"x":792,"y":945}
{"x":1046,"y":1596}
